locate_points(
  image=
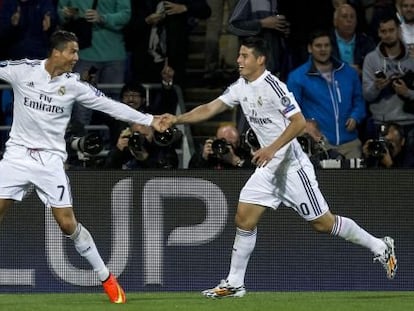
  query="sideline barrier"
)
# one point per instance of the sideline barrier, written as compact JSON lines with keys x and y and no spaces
{"x":174,"y":230}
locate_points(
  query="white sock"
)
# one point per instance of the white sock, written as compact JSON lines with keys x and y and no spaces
{"x":348,"y":229}
{"x":86,"y":247}
{"x":243,"y":246}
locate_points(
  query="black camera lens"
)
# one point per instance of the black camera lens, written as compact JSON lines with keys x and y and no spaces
{"x":305,"y":144}
{"x":251,"y":139}
{"x":168,"y":137}
{"x":377,"y":148}
{"x":220,"y":147}
{"x":136,"y":142}
{"x":91,"y":143}
{"x":380,"y":74}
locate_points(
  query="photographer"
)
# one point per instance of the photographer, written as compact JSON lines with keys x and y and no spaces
{"x":389,"y":150}
{"x":137,"y":149}
{"x":135,"y":95}
{"x":141,"y":151}
{"x":222,"y":152}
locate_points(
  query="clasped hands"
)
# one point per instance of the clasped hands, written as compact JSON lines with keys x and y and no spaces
{"x":162,"y":122}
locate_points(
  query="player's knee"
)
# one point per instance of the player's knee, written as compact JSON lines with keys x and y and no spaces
{"x":324,"y":224}
{"x":244,"y":223}
{"x":4,"y":207}
{"x":67,"y":226}
{"x":321,"y":227}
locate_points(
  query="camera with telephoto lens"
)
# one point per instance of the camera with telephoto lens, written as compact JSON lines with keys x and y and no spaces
{"x":136,"y":144}
{"x":91,"y":143}
{"x":167,"y":138}
{"x":378,"y":147}
{"x":220,"y":147}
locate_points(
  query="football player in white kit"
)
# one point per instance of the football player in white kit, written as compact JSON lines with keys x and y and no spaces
{"x":44,"y":94}
{"x":284,"y":173}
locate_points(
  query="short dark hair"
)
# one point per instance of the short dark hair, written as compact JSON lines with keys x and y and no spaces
{"x":388,"y":16}
{"x":133,"y":87}
{"x":59,"y":39}
{"x":317,"y":33}
{"x":258,"y":44}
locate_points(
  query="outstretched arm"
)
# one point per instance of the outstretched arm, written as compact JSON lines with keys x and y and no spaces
{"x":198,"y":114}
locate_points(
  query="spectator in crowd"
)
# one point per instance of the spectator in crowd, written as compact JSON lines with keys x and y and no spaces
{"x":167,"y":99}
{"x":387,"y":80}
{"x":107,"y":54}
{"x":375,"y":10}
{"x":348,"y":45}
{"x":163,"y":29}
{"x":304,"y":17}
{"x":261,"y":17}
{"x":25,"y":27}
{"x":224,"y":151}
{"x":214,"y":30}
{"x":407,"y":24}
{"x":388,"y":150}
{"x":329,"y":91}
{"x":359,"y":8}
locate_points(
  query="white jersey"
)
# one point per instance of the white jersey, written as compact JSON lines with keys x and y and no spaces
{"x":267,"y":104}
{"x":43,"y":105}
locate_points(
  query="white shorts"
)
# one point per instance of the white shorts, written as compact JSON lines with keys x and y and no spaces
{"x":298,"y":190}
{"x":22,"y":167}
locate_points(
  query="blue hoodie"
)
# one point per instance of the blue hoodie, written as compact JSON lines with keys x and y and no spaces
{"x":329,"y":104}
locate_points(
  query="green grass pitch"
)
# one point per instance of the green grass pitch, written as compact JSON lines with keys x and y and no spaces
{"x":192,"y":301}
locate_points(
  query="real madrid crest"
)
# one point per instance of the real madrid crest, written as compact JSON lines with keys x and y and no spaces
{"x":285,"y":101}
{"x":62,"y":91}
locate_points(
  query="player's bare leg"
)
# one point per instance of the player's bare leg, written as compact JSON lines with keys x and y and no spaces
{"x":65,"y":219}
{"x":383,"y":249}
{"x":86,"y":247}
{"x":5,"y":205}
{"x":247,"y":217}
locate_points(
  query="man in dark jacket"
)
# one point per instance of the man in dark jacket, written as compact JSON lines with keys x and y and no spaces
{"x":349,"y":45}
{"x":166,"y":25}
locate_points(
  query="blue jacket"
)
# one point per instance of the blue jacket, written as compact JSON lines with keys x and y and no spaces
{"x":330,"y":104}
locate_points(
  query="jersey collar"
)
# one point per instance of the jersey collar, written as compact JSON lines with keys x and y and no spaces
{"x":260,"y":78}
